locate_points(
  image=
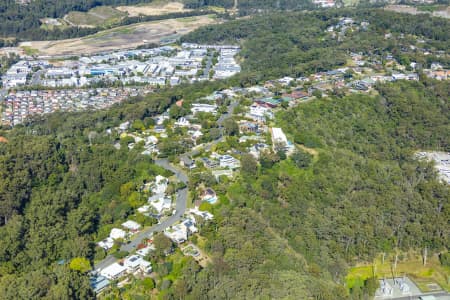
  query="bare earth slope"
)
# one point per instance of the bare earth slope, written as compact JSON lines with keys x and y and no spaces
{"x":123,"y":37}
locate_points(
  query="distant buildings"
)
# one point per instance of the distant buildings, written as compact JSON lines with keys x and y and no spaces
{"x":206,"y":108}
{"x":153,"y":67}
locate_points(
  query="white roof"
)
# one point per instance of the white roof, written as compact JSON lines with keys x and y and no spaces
{"x":145,"y":251}
{"x":113,"y":271}
{"x":132,"y":225}
{"x":161,"y":204}
{"x":106,"y":244}
{"x":143,"y":209}
{"x":279,"y":136}
{"x":132,"y":261}
{"x":117,"y":233}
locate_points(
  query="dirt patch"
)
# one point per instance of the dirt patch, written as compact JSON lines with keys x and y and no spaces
{"x":311,"y":151}
{"x":124,"y":37}
{"x":153,"y":9}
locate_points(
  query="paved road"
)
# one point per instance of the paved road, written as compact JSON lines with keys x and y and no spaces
{"x":180,"y":208}
{"x":36,"y":78}
{"x":181,"y":203}
{"x":437,"y":295}
{"x":3,"y":93}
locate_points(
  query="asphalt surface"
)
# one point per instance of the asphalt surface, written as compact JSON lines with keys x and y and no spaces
{"x":3,"y":93}
{"x":437,"y":295}
{"x":180,"y":208}
{"x":36,"y":78}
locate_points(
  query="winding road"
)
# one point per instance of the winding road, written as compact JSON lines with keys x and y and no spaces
{"x":181,"y":202}
{"x":180,"y":208}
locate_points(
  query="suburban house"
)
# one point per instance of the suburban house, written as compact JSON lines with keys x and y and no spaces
{"x":260,"y":113}
{"x":206,"y":108}
{"x":209,"y":163}
{"x":106,"y":244}
{"x":179,"y":233}
{"x":187,"y":162}
{"x":114,"y":271}
{"x":160,"y":203}
{"x":131,"y":226}
{"x":228,"y":161}
{"x":256,"y":149}
{"x":182,"y":122}
{"x":245,"y":127}
{"x":209,"y":195}
{"x":279,"y":138}
{"x":145,"y":251}
{"x":136,"y":263}
{"x":204,"y":214}
{"x":98,"y":283}
{"x":218,"y":173}
{"x":160,"y":185}
{"x":117,"y":233}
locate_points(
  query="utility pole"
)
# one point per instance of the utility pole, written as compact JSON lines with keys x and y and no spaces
{"x":425,"y":253}
{"x":395,"y":263}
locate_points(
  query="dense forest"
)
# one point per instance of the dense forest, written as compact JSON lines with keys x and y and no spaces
{"x":288,"y":227}
{"x":292,"y":226}
{"x":24,"y":20}
{"x":361,"y":194}
{"x":271,"y":51}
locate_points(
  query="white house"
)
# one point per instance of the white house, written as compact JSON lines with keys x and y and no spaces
{"x":228,"y":161}
{"x":106,"y":244}
{"x":178,"y":233}
{"x":145,"y":251}
{"x":113,"y":271}
{"x":131,"y":225}
{"x":160,"y":203}
{"x":206,"y":108}
{"x":204,"y":214}
{"x":135,"y":262}
{"x":143,"y":209}
{"x":259,"y":113}
{"x":278,"y":137}
{"x":182,"y":122}
{"x":117,"y":233}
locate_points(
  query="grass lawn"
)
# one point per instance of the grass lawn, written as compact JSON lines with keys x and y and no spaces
{"x":189,"y":19}
{"x":412,"y":266}
{"x":350,"y":2}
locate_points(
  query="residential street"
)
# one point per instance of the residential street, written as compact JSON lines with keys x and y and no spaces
{"x":180,"y":210}
{"x":181,"y":203}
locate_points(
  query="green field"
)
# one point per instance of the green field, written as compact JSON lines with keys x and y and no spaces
{"x":350,"y":2}
{"x":431,"y":8}
{"x":432,"y":273}
{"x":98,"y":16}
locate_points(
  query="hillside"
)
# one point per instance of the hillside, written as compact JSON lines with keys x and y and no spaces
{"x":285,"y":227}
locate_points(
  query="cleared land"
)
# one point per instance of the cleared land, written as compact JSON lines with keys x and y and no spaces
{"x":98,"y":16}
{"x":443,"y":11}
{"x":428,"y":278}
{"x":154,"y":9}
{"x":124,"y":37}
